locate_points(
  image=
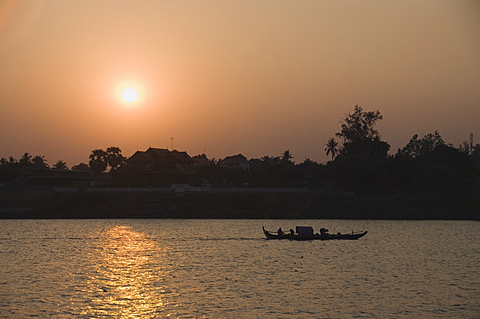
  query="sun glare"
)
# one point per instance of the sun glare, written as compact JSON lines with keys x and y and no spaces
{"x":129,"y":94}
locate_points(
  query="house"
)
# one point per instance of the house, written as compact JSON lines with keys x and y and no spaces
{"x":161,"y":160}
{"x":236,"y":161}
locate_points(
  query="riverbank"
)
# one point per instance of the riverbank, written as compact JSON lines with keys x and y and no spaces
{"x":427,"y":206}
{"x":237,"y":204}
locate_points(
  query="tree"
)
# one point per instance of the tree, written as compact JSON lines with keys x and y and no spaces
{"x":358,"y":126}
{"x":26,"y":159}
{"x":81,"y":167}
{"x":332,"y":148}
{"x":60,"y":165}
{"x":39,"y":161}
{"x":287,"y":156}
{"x":310,"y":173}
{"x":467,"y":147}
{"x":476,"y":155}
{"x":420,"y":147}
{"x":98,"y":161}
{"x":360,"y":139}
{"x":201,"y":156}
{"x":114,"y":157}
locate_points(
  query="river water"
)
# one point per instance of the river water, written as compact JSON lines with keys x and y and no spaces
{"x":227,"y":269}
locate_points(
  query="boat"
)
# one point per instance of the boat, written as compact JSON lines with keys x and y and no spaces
{"x":306,"y":233}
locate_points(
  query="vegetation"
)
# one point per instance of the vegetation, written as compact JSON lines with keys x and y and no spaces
{"x":332,"y":148}
{"x":426,"y":170}
{"x":60,"y":165}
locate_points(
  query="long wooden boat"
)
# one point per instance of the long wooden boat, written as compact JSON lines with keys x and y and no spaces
{"x":306,"y":233}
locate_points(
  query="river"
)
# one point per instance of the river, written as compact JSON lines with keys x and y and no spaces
{"x":158,"y":268}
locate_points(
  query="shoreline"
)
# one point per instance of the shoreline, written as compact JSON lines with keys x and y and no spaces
{"x":237,"y":205}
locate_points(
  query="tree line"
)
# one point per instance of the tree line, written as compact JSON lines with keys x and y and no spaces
{"x":100,"y":161}
{"x":360,"y":163}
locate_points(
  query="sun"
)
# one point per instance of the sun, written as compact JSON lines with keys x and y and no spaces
{"x":129,"y":94}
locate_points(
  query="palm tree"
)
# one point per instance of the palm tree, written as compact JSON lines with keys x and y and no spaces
{"x":60,"y":165}
{"x":332,"y":147}
{"x":287,"y":156}
{"x":26,"y":159}
{"x":39,"y":161}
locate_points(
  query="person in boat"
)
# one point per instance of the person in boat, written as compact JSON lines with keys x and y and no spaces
{"x":280,"y":231}
{"x":323,"y":232}
{"x":292,"y":232}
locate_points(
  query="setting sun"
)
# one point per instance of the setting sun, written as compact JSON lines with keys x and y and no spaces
{"x":129,"y":94}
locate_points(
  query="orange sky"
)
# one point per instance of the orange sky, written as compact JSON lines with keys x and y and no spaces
{"x":228,"y":77}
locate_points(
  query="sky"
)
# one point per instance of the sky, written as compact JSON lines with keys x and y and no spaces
{"x":228,"y":77}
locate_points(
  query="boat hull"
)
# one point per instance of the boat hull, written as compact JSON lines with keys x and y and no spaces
{"x":339,"y":236}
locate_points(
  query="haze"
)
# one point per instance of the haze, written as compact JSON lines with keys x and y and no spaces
{"x":229,"y":77}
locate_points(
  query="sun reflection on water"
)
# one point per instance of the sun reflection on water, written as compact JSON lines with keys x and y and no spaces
{"x":130,"y":269}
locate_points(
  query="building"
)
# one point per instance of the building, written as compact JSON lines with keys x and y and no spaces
{"x":236,"y":161}
{"x":161,"y":160}
{"x":160,"y":167}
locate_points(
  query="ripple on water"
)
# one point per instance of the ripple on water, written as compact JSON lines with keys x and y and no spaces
{"x":226,"y":269}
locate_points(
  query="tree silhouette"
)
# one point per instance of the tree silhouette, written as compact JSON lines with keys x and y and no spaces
{"x":26,"y":159}
{"x":332,"y":148}
{"x":360,"y":139}
{"x":60,"y":165}
{"x":287,"y":156}
{"x":98,"y":162}
{"x":114,"y":157}
{"x":420,"y":147}
{"x":358,"y":126}
{"x":81,"y":167}
{"x":476,"y":155}
{"x":39,"y":161}
{"x":467,"y":147}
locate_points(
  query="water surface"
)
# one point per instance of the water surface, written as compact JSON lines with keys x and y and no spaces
{"x":227,"y":269}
